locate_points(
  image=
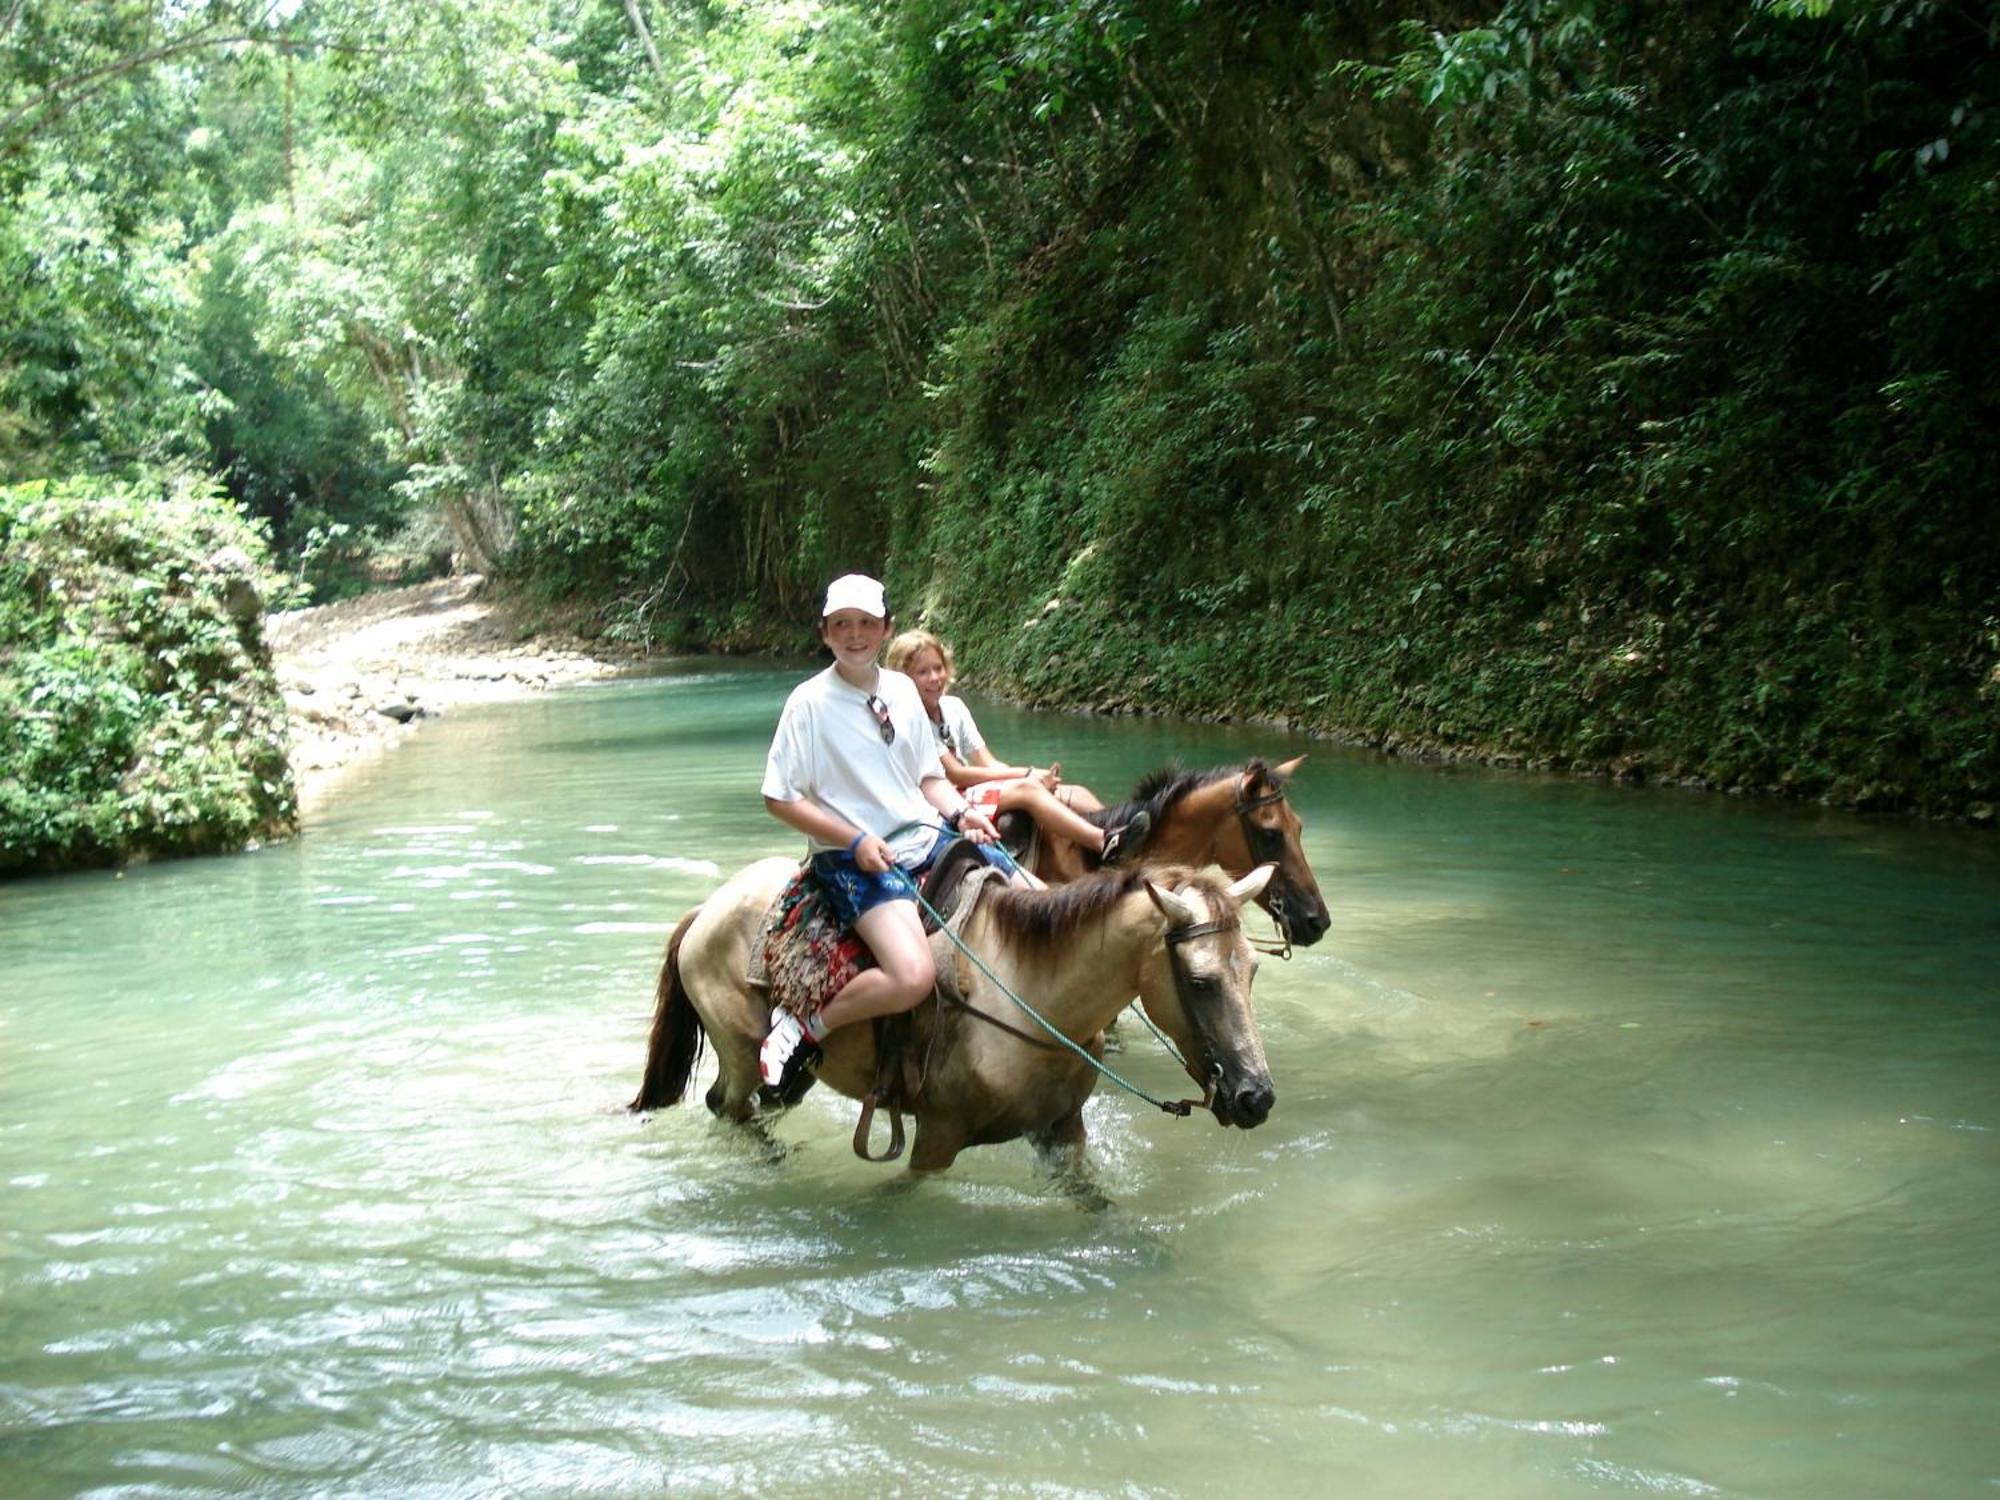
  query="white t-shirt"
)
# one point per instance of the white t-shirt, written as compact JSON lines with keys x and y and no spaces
{"x":829,"y":747}
{"x":965,"y":737}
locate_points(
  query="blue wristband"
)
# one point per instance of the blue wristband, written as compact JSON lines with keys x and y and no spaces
{"x":857,"y":841}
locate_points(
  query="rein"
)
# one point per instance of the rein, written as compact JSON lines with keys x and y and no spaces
{"x":1179,"y":1107}
{"x":1182,"y":986}
{"x":1056,"y":1040}
{"x":957,"y":1001}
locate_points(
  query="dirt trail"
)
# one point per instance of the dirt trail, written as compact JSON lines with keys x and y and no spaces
{"x":361,"y":674}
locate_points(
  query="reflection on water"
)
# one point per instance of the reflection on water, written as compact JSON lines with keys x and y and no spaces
{"x":1625,"y":1143}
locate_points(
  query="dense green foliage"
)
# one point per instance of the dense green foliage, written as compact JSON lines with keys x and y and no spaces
{"x":1641,"y":423}
{"x":138,"y":714}
{"x":1578,"y":382}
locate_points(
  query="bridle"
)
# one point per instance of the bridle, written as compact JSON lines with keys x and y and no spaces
{"x":1257,"y":840}
{"x":1197,"y":1015}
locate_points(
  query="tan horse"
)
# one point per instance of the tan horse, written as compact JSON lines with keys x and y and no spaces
{"x":1234,"y":816}
{"x":1077,"y":954}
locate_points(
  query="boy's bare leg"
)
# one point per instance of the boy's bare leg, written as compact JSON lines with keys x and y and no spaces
{"x":904,"y":974}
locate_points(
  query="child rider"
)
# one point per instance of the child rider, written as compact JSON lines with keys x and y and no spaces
{"x":987,"y":781}
{"x":854,"y":767}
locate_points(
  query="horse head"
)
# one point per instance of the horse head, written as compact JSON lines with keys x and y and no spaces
{"x":1269,"y":832}
{"x":1237,"y":817}
{"x":1199,"y":992}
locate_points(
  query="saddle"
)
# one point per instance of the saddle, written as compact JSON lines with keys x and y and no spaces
{"x":802,"y":958}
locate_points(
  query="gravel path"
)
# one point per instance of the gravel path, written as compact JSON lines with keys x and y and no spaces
{"x":361,"y":674}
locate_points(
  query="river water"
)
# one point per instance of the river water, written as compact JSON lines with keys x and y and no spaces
{"x":1626,"y":1143}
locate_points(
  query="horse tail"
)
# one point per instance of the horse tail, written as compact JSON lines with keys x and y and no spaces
{"x":677,"y":1036}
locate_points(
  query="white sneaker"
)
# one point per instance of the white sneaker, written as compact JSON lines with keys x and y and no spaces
{"x":1122,"y":844}
{"x":787,"y":1052}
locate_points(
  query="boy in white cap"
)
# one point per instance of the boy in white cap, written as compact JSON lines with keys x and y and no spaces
{"x":854,"y":767}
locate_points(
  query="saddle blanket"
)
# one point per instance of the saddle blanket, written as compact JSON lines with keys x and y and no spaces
{"x":802,"y":958}
{"x":800,"y":953}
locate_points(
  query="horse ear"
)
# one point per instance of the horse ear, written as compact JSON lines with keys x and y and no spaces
{"x":1285,"y":771}
{"x":1180,"y":911}
{"x":1251,"y":886}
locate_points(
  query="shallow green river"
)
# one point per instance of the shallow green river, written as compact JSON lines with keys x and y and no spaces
{"x":1626,"y":1143}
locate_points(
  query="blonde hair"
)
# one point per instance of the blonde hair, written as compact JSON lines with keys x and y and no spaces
{"x":911,"y":644}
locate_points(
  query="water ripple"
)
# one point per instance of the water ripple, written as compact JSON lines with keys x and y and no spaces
{"x":319,"y":1180}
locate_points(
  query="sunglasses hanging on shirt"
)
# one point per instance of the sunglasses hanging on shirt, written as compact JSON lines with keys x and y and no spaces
{"x":881,"y":711}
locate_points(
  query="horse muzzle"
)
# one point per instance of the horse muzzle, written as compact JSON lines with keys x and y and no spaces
{"x":1310,"y":928}
{"x":1245,"y":1102}
{"x":1303,"y":920}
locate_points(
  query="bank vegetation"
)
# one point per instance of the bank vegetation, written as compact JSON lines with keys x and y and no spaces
{"x":1587,"y":383}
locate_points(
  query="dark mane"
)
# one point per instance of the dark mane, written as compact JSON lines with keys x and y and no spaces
{"x":1159,"y":790}
{"x":1040,"y":922}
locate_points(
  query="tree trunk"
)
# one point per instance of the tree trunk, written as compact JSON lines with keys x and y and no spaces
{"x":645,"y":34}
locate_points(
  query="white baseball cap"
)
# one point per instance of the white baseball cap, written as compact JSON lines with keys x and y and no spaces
{"x":855,"y":591}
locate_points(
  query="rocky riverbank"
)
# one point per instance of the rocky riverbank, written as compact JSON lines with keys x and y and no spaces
{"x":360,"y":675}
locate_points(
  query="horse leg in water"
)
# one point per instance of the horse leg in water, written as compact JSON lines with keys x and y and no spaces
{"x":701,"y":986}
{"x":939,"y":1140}
{"x":1059,"y":1147}
{"x":733,"y":1095}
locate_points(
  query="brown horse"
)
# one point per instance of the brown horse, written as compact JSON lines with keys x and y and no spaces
{"x":1077,"y":954}
{"x":1233,"y":816}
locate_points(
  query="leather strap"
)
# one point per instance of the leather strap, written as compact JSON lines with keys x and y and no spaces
{"x":1273,"y":900}
{"x":864,"y":1127}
